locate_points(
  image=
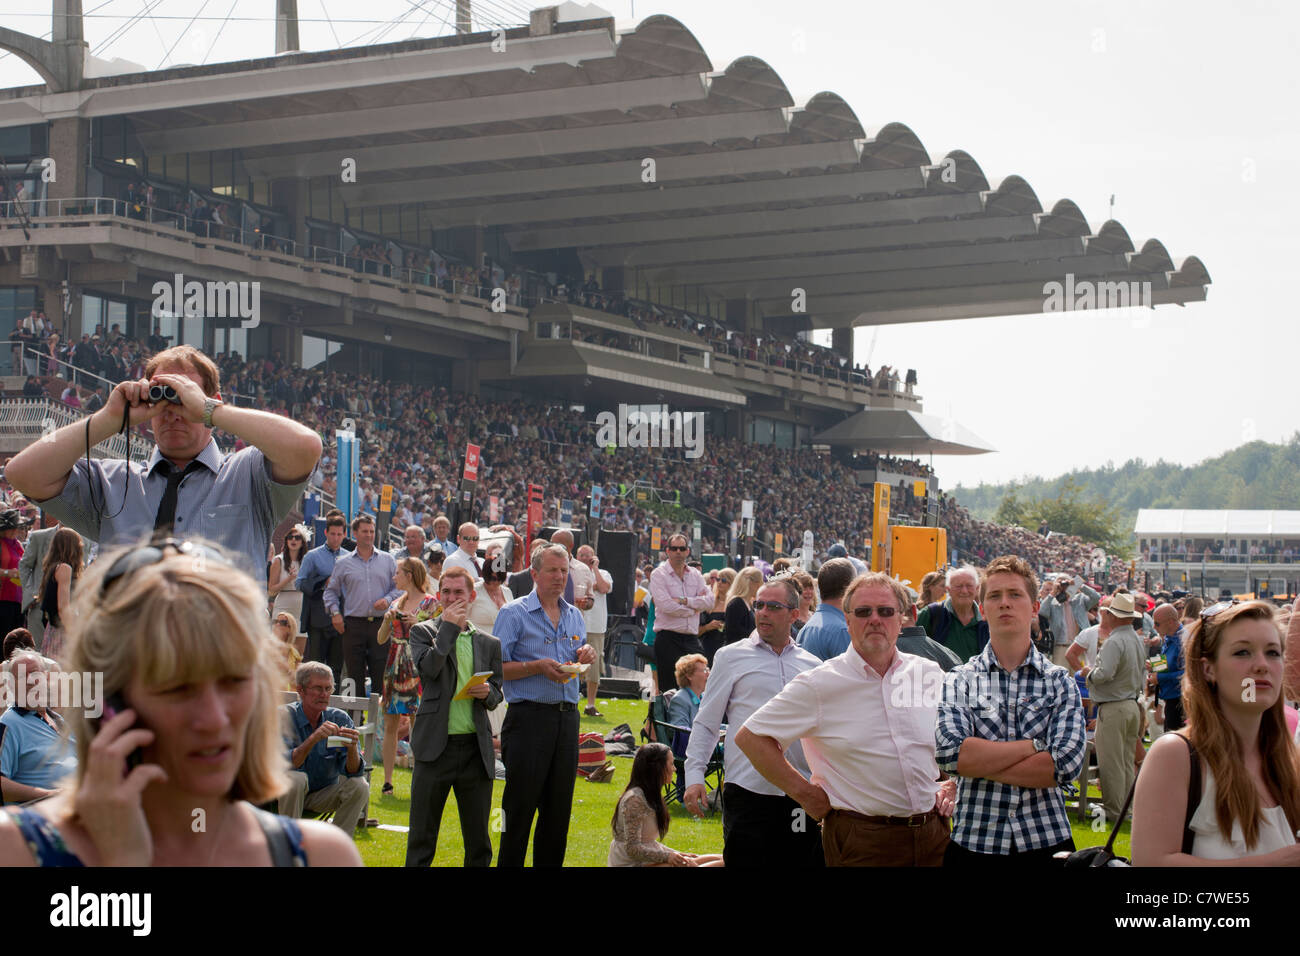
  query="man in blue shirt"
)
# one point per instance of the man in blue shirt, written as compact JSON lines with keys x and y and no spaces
{"x":324,"y":643}
{"x":35,"y":752}
{"x":540,"y":634}
{"x":323,"y":777}
{"x":360,"y":590}
{"x":826,"y":634}
{"x":1169,"y":682}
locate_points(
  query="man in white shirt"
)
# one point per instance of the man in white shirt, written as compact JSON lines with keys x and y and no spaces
{"x":466,"y":556}
{"x":761,"y":826}
{"x":866,"y":720}
{"x":596,"y":619}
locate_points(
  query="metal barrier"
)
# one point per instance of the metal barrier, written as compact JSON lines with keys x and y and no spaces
{"x":32,"y":417}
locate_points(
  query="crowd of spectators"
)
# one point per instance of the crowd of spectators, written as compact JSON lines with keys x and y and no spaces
{"x":413,"y":437}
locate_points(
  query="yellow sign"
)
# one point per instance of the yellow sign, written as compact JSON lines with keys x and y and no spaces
{"x":654,"y":539}
{"x":386,"y":498}
{"x":880,"y":527}
{"x":920,"y":488}
{"x":780,"y":542}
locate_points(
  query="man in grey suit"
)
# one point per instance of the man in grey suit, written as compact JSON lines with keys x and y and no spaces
{"x":29,"y":571}
{"x":451,"y":740}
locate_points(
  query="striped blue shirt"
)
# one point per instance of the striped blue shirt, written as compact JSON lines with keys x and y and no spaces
{"x":1037,"y":700}
{"x":526,"y":634}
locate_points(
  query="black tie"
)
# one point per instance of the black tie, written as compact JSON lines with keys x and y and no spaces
{"x":167,"y":507}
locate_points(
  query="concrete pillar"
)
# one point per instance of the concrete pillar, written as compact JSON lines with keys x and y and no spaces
{"x":69,"y":143}
{"x":291,"y":196}
{"x":286,"y":26}
{"x":465,"y":377}
{"x":842,"y":343}
{"x":68,"y":40}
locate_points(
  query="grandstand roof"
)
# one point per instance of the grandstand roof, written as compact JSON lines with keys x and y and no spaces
{"x":900,"y":430}
{"x":753,"y":196}
{"x":1162,"y":521}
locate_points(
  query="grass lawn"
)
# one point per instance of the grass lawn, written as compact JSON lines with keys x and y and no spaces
{"x":593,"y":807}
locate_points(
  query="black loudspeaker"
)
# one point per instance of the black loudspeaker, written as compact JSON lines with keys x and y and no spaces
{"x":617,"y":553}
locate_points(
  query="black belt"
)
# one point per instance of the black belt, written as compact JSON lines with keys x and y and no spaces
{"x":368,"y":620}
{"x":915,"y":820}
{"x":562,"y":706}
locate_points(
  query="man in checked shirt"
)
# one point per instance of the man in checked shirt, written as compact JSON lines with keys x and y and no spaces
{"x":1011,"y":728}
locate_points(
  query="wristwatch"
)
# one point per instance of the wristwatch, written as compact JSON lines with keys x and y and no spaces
{"x":208,"y":405}
{"x":1040,"y":745}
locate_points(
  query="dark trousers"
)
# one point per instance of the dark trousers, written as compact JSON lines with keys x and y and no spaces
{"x":1175,"y":719}
{"x":539,"y":746}
{"x":670,"y":645}
{"x":772,"y":832}
{"x":460,"y":766}
{"x":361,"y":649}
{"x":957,"y":855}
{"x":11,"y":617}
{"x":325,"y":644}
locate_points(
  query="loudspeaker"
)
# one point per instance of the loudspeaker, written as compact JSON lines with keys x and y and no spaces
{"x":617,"y":553}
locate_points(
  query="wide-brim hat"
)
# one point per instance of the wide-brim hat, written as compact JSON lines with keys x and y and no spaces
{"x":1121,"y":605}
{"x":11,"y":518}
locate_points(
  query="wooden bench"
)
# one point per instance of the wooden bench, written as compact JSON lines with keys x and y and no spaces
{"x":364,"y":712}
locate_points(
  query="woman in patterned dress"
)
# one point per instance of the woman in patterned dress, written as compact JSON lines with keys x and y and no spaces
{"x":401,"y":683}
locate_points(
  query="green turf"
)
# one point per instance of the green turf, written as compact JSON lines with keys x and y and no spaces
{"x":593,"y":806}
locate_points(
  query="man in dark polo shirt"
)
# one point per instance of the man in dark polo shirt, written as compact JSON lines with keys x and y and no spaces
{"x":955,"y":622}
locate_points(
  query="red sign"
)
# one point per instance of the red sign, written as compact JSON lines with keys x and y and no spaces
{"x":471,"y":463}
{"x":534,"y":512}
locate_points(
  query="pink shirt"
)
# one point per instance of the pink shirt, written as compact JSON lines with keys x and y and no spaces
{"x":666,"y":587}
{"x":869,"y":741}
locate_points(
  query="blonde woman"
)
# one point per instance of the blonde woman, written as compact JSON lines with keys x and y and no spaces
{"x":194,"y":727}
{"x":1226,"y":791}
{"x":712,"y":622}
{"x":807,"y":599}
{"x":739,"y":611}
{"x":401,"y":699}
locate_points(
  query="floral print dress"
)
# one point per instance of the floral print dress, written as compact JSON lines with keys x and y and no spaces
{"x":401,"y":682}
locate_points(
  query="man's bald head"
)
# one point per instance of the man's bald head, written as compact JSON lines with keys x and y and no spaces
{"x":565,"y":538}
{"x":1166,"y":619}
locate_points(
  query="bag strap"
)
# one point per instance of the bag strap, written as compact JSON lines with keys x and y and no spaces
{"x":277,"y":840}
{"x":1193,"y":792}
{"x":1114,"y":831}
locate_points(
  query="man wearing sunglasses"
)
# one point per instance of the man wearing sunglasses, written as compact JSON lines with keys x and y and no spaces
{"x":680,"y":595}
{"x":761,"y":826}
{"x":466,"y":556}
{"x":866,"y":720}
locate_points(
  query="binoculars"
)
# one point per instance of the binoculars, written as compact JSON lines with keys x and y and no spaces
{"x":163,"y":393}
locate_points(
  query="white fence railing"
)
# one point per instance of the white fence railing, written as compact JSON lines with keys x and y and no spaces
{"x":33,"y":417}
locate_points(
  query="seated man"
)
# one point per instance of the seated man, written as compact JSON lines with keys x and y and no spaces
{"x":35,"y":752}
{"x":314,"y":779}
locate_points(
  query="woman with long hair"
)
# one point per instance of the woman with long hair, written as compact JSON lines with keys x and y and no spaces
{"x":282,"y":579}
{"x":1192,"y":609}
{"x":712,"y":623}
{"x":934,"y":588}
{"x":1226,"y":790}
{"x":807,"y":599}
{"x":641,"y":816}
{"x":401,"y":699}
{"x":192,"y":686}
{"x":63,"y":566}
{"x":739,"y":609}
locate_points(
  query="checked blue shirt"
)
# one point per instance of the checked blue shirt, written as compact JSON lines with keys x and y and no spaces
{"x":1037,"y":700}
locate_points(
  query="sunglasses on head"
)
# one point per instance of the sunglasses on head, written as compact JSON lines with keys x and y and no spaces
{"x":152,"y":553}
{"x":1214,"y":609}
{"x":866,"y":611}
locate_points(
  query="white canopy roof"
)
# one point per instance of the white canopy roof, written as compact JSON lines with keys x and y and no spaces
{"x":1203,"y":523}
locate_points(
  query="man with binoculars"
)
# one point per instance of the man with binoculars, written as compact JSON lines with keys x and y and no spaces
{"x":188,"y":486}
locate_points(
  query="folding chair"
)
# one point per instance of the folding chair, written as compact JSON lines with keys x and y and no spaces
{"x":677,"y":737}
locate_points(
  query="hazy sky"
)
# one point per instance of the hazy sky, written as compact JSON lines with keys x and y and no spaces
{"x":1185,"y":111}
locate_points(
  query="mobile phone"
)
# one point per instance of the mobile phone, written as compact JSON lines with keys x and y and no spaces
{"x":112,"y":707}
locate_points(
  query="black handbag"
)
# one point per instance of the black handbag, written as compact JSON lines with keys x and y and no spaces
{"x":1102,"y":855}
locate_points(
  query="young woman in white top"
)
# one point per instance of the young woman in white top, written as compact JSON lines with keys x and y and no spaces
{"x":282,"y":578}
{"x":1249,"y":806}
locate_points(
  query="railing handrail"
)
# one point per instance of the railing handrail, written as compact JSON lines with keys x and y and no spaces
{"x":47,"y":413}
